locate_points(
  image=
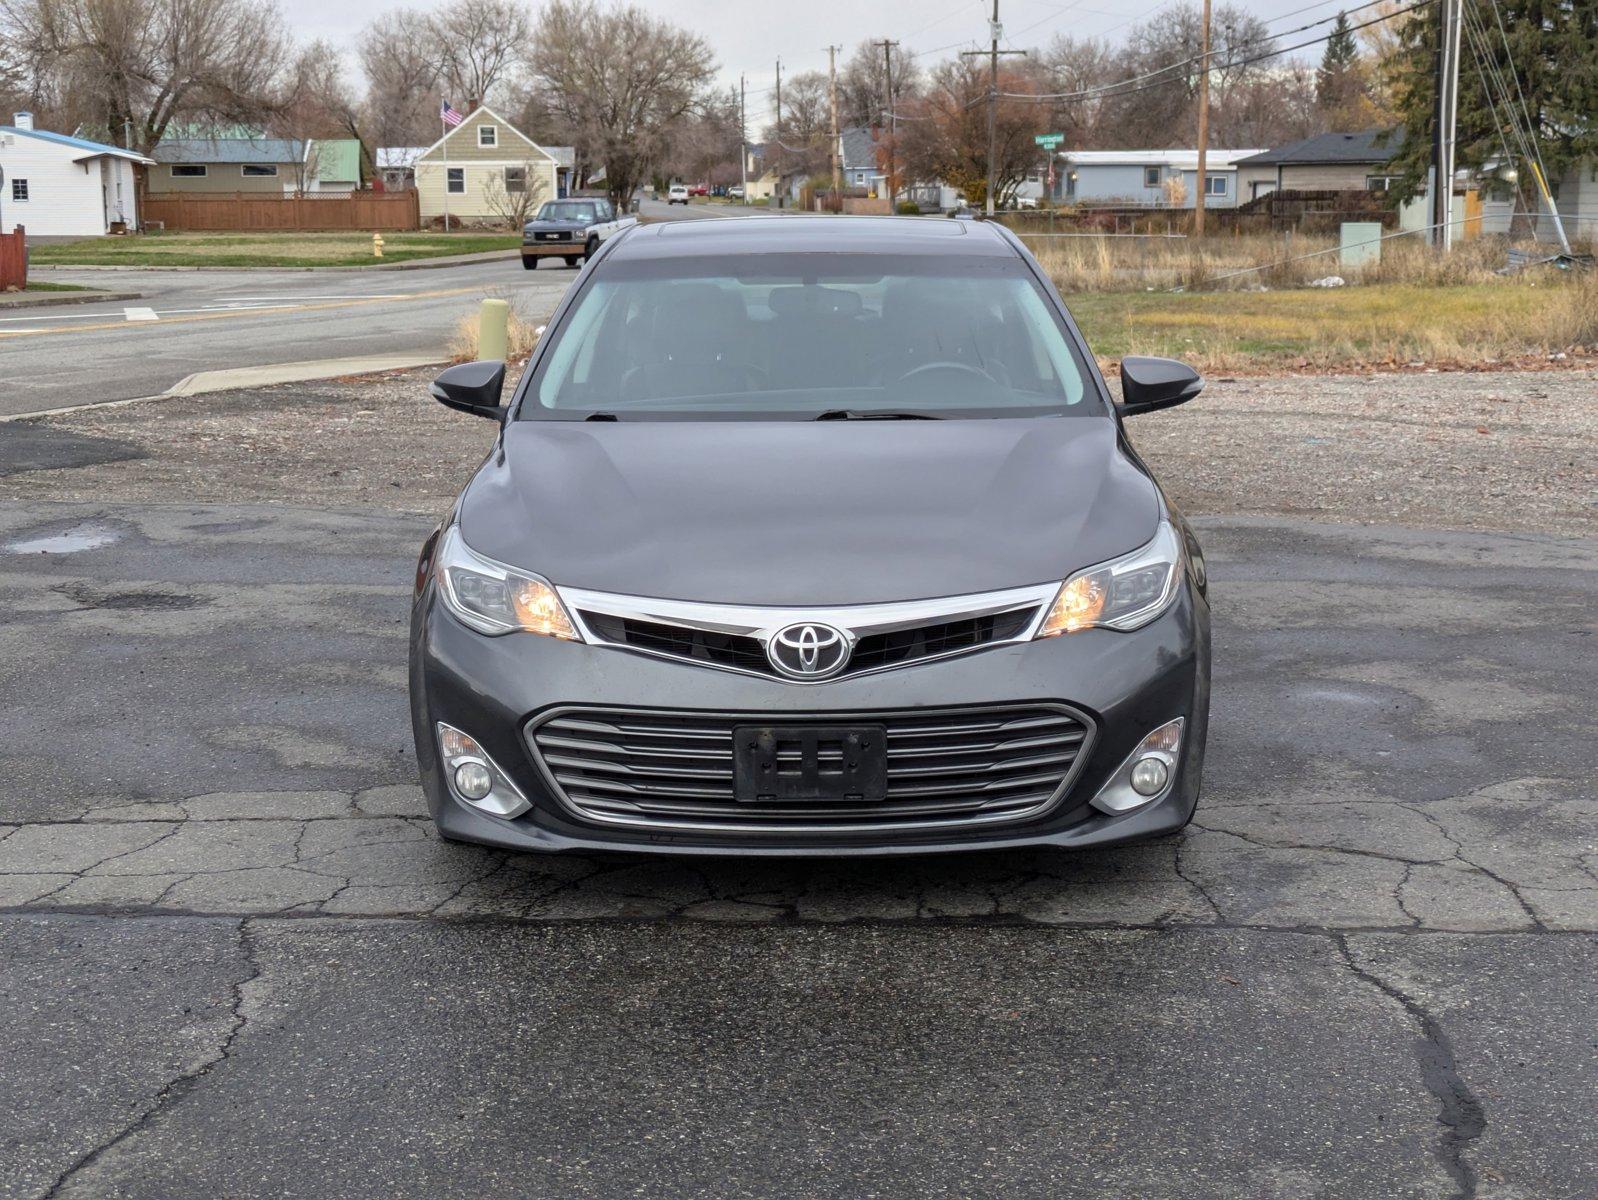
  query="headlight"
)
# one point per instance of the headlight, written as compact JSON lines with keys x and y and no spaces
{"x":493,"y":598}
{"x":1124,"y":593}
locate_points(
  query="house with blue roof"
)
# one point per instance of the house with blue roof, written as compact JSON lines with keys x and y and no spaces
{"x":59,"y":186}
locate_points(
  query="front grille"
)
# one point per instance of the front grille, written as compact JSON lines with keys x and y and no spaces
{"x":929,"y":641}
{"x":946,"y":767}
{"x":681,"y":641}
{"x":872,"y":652}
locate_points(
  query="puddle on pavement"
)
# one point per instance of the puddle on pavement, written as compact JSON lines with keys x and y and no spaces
{"x":73,"y":541}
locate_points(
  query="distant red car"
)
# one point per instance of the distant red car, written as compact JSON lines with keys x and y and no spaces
{"x":699,"y":189}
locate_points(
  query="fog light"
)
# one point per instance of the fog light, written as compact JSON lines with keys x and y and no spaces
{"x":1148,"y":776}
{"x":473,"y":781}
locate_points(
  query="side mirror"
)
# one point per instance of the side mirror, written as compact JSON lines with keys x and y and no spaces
{"x":472,"y":387}
{"x":1148,"y":384}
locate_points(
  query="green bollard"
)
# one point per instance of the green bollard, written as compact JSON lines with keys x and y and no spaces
{"x":493,"y":331}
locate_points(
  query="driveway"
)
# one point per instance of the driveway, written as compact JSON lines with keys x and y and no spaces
{"x":238,"y":962}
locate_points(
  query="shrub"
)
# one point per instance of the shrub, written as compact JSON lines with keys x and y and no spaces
{"x":909,"y":208}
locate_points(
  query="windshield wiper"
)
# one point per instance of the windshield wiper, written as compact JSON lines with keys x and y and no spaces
{"x":853,"y":414}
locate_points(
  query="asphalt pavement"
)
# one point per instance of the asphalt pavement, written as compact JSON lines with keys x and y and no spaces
{"x":238,"y":962}
{"x":187,"y":322}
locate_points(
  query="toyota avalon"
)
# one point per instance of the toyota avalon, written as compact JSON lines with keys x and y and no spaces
{"x":811,"y":535}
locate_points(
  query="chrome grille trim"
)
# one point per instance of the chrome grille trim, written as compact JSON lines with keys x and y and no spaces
{"x":761,"y":623}
{"x":950,"y":768}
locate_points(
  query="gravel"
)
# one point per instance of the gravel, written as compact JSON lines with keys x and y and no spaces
{"x":1503,"y":450}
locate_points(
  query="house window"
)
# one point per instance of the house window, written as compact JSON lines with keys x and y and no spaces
{"x":488,"y":135}
{"x":1151,"y":177}
{"x":515,"y":180}
{"x":1215,"y":185}
{"x":1380,"y":183}
{"x":259,"y":171}
{"x":19,"y":189}
{"x":188,"y":171}
{"x":455,"y":181}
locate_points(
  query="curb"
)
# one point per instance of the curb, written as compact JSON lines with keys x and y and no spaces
{"x":202,"y":382}
{"x":56,"y":300}
{"x":419,"y":264}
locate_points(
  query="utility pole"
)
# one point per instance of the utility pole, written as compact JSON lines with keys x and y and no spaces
{"x":892,"y":118}
{"x":1203,"y":124}
{"x":743,"y":143}
{"x":779,"y":155}
{"x":832,"y":95}
{"x":995,"y":32}
{"x":1446,"y":116}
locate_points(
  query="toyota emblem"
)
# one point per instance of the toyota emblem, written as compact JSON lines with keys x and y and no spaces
{"x":808,"y":650}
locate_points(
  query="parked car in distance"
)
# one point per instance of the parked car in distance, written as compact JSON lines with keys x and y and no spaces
{"x":808,"y":536}
{"x":735,"y":192}
{"x":677,"y":194}
{"x":571,"y":229}
{"x":699,"y":189}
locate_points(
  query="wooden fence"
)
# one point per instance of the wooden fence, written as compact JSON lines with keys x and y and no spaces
{"x":13,"y":261}
{"x":246,"y":212}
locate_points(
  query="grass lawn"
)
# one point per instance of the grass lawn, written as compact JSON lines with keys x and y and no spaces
{"x":264,"y":249}
{"x":1366,"y":324}
{"x":37,"y":286}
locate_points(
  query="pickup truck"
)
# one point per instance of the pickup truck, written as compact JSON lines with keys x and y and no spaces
{"x":570,"y":229}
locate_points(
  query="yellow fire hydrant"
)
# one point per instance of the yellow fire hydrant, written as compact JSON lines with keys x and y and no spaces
{"x":377,"y":245}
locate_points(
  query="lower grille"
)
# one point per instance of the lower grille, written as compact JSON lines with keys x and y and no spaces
{"x":946,"y":767}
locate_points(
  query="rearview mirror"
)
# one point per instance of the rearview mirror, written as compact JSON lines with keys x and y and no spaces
{"x":472,"y":387}
{"x":1152,"y":383}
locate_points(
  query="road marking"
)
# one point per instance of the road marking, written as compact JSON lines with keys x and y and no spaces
{"x":225,"y":313}
{"x":139,"y":314}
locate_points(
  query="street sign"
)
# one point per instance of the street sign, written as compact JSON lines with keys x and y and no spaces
{"x":1049,"y":140}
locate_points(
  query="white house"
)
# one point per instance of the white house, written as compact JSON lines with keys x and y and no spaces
{"x":59,"y":186}
{"x":1147,"y":178}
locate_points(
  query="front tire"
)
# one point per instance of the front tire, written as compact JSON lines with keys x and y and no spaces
{"x":591,"y":249}
{"x":573,"y":259}
{"x":530,"y":264}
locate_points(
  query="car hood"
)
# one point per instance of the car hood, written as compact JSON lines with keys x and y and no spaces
{"x":553,"y":226}
{"x":802,"y":513}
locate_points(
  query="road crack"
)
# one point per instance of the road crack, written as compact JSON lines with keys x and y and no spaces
{"x":175,"y":1089}
{"x":1460,"y":1112}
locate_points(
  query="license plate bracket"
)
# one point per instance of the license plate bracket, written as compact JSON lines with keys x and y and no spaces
{"x":774,"y":764}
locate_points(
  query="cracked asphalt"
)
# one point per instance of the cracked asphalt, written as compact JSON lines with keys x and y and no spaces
{"x":235,"y":960}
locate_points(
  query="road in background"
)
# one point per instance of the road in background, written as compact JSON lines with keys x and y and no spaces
{"x":191,"y":321}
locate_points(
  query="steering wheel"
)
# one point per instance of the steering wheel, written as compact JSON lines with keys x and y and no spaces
{"x":963,"y":368}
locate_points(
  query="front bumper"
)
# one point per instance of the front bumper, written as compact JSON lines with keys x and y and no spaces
{"x":562,"y":249}
{"x":491,"y":687}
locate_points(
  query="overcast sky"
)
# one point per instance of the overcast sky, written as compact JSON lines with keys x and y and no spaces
{"x":749,"y":35}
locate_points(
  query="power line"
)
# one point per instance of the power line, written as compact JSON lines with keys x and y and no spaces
{"x":1119,"y":88}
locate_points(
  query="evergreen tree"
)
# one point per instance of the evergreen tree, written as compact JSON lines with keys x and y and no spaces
{"x":1338,"y":66}
{"x":1548,"y":47}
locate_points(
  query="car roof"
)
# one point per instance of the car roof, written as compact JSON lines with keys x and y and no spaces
{"x":777,"y":234}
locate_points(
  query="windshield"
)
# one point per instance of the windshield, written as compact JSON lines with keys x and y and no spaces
{"x":566,"y":210}
{"x":799,"y":336}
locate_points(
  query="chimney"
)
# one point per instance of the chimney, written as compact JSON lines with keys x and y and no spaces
{"x":23,"y":120}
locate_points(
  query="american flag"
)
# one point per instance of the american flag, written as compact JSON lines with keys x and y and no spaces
{"x":448,"y":115}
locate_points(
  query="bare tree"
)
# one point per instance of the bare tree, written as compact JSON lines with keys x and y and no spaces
{"x":945,"y":133}
{"x":509,"y":194}
{"x":863,"y":83}
{"x":317,"y":103}
{"x":133,"y":66}
{"x":401,"y":64}
{"x":806,"y":126}
{"x":620,"y":80}
{"x":478,"y":42}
